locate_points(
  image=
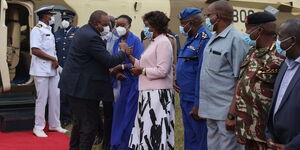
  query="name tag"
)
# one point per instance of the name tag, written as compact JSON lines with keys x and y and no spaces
{"x":47,"y":34}
{"x":191,"y":47}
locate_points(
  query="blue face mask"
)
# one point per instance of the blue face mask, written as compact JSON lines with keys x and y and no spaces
{"x":209,"y":25}
{"x":147,"y":33}
{"x":247,"y":40}
{"x":115,"y":33}
{"x":181,"y":30}
{"x":279,"y":49}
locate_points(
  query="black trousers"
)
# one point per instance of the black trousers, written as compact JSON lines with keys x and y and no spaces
{"x":85,"y":122}
{"x":65,"y":110}
{"x":107,"y":125}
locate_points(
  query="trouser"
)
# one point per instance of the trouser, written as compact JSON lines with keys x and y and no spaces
{"x":85,"y":122}
{"x":255,"y":145}
{"x":107,"y":124}
{"x":195,"y":131}
{"x":47,"y":91}
{"x":218,"y":138}
{"x":65,"y":110}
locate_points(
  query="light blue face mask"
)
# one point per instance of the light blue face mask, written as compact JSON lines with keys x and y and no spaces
{"x":209,"y":25}
{"x":247,"y":40}
{"x":279,"y":49}
{"x":147,"y":33}
{"x":181,"y":30}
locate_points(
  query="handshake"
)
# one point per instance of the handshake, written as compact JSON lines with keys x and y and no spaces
{"x":125,"y":48}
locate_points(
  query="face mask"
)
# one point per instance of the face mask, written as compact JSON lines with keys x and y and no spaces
{"x":51,"y":22}
{"x":107,"y":36}
{"x":65,"y":24}
{"x":147,"y":33}
{"x":247,"y":40}
{"x":279,"y":49}
{"x":181,"y":30}
{"x":105,"y":31}
{"x":121,"y":31}
{"x":209,"y":25}
{"x":114,"y":32}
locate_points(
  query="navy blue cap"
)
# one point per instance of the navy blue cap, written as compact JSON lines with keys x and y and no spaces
{"x":67,"y":14}
{"x":188,"y":13}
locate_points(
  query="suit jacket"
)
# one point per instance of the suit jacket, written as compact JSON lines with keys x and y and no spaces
{"x":284,"y":127}
{"x":85,"y":74}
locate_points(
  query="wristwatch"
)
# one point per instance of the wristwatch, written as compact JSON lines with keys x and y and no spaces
{"x":230,"y":117}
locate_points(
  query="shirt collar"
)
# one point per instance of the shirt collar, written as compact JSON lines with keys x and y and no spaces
{"x":225,"y":32}
{"x":292,"y":63}
{"x":158,"y":37}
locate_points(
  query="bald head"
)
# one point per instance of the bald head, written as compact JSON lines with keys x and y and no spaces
{"x":291,"y":28}
{"x":96,"y":16}
{"x":224,"y":10}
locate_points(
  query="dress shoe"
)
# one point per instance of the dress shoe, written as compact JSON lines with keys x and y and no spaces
{"x":39,"y":133}
{"x":58,"y":129}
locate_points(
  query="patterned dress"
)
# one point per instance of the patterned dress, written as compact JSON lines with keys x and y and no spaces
{"x":254,"y":92}
{"x":155,"y":121}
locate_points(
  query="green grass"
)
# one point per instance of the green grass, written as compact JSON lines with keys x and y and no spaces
{"x":178,"y":128}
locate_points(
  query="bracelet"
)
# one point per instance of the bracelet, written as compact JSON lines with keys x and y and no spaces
{"x":144,"y":72}
{"x":123,"y":67}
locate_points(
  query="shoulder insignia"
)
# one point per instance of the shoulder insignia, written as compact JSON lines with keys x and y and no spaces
{"x":39,"y":25}
{"x":204,"y":35}
{"x":191,"y":47}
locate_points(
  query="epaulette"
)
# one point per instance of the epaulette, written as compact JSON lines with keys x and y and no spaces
{"x":204,"y":35}
{"x":39,"y":25}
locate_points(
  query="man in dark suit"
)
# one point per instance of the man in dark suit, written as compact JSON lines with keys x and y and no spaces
{"x":283,"y":129}
{"x":85,"y":78}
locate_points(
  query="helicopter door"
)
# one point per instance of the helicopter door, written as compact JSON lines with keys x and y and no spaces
{"x":4,"y":73}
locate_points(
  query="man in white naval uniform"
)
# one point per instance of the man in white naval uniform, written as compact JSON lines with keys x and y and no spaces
{"x":43,"y":68}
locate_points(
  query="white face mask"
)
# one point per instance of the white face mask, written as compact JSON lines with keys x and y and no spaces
{"x":65,"y":24}
{"x":51,"y":22}
{"x":105,"y":31}
{"x":121,"y":31}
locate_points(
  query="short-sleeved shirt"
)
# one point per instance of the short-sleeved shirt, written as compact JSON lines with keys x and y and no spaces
{"x":220,"y":69}
{"x":254,"y":92}
{"x":41,"y":37}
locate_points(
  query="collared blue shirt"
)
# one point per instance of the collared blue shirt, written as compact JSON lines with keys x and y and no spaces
{"x":189,"y":63}
{"x":293,"y":66}
{"x":63,"y":39}
{"x":222,"y":58}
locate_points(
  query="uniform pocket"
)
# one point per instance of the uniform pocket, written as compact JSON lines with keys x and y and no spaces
{"x":215,"y":60}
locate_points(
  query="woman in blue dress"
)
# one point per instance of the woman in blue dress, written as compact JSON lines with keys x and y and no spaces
{"x":125,"y":105}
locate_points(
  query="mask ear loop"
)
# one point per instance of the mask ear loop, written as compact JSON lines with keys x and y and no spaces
{"x":291,"y":45}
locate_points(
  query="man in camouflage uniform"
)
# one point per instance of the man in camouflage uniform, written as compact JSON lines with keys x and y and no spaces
{"x":250,"y":105}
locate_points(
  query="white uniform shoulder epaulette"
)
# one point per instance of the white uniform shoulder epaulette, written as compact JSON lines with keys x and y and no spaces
{"x":39,"y":25}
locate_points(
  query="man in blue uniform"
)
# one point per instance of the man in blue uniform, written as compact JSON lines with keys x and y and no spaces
{"x":63,"y":39}
{"x":187,"y":77}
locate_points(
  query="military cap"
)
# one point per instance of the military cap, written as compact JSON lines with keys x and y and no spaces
{"x":188,"y":13}
{"x":259,"y":18}
{"x":67,"y":14}
{"x":45,"y":10}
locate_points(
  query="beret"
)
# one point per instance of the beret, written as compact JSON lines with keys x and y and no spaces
{"x":259,"y":18}
{"x":188,"y":13}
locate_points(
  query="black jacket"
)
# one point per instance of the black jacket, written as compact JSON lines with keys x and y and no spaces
{"x":284,"y":127}
{"x":85,"y":74}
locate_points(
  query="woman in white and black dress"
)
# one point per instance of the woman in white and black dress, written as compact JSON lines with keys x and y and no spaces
{"x":155,"y":119}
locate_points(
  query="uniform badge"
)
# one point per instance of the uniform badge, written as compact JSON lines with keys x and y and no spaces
{"x":191,"y":47}
{"x":204,"y":35}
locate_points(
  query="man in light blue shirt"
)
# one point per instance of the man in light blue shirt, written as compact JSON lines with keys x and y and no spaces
{"x":283,"y":132}
{"x":222,"y":57}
